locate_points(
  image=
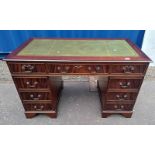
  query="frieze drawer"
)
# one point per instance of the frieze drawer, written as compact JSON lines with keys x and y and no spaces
{"x":77,"y":68}
{"x":27,"y":68}
{"x":124,"y":84}
{"x":128,"y":69}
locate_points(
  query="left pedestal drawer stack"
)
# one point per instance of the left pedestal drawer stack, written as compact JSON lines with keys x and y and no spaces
{"x":38,"y":92}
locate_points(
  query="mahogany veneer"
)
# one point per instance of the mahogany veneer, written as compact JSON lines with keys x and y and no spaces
{"x":39,"y":83}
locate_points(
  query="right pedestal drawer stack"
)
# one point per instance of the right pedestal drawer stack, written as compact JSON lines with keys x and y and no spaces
{"x":122,"y":88}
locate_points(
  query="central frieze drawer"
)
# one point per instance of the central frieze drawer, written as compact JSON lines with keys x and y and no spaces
{"x":27,"y":68}
{"x":31,"y":82}
{"x":77,"y":68}
{"x":128,"y":69}
{"x":35,"y":96}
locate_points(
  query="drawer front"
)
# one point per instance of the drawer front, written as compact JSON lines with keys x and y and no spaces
{"x":35,"y":96}
{"x":124,"y":83}
{"x":128,"y":69}
{"x":119,"y":96}
{"x":38,"y":107}
{"x":27,"y":68}
{"x":118,"y":107}
{"x":77,"y":68}
{"x":31,"y":83}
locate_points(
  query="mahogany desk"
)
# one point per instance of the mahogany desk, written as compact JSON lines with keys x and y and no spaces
{"x":38,"y":65}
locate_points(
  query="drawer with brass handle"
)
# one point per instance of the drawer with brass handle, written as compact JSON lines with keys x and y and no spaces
{"x":27,"y":68}
{"x":38,"y":107}
{"x":124,"y":83}
{"x":35,"y":96}
{"x":121,"y":96}
{"x":128,"y":69}
{"x":31,"y":82}
{"x":119,"y":107}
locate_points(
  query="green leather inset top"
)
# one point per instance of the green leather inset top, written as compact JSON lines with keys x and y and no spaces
{"x":50,"y":47}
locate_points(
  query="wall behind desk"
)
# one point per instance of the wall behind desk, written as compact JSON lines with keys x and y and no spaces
{"x":149,"y":45}
{"x":11,"y":39}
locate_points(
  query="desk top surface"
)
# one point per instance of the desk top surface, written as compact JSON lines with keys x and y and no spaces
{"x":78,"y":50}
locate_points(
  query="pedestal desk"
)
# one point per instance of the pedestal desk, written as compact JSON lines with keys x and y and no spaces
{"x":38,"y":65}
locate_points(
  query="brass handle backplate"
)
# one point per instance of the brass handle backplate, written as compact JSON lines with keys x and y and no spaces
{"x":27,"y":68}
{"x":128,"y":69}
{"x":124,"y":84}
{"x":38,"y":109}
{"x":33,"y":97}
{"x":32,"y":85}
{"x":122,"y":97}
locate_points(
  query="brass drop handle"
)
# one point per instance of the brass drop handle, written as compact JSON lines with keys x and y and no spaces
{"x":123,"y":97}
{"x":38,"y":109}
{"x":78,"y":66}
{"x":27,"y":68}
{"x":35,"y":98}
{"x":32,"y":85}
{"x":128,"y":69}
{"x":124,"y":85}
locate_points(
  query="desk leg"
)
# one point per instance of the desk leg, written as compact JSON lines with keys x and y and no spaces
{"x":30,"y":115}
{"x":127,"y":115}
{"x":52,"y":115}
{"x":105,"y":115}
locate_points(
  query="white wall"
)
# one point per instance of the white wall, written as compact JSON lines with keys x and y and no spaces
{"x":148,"y":46}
